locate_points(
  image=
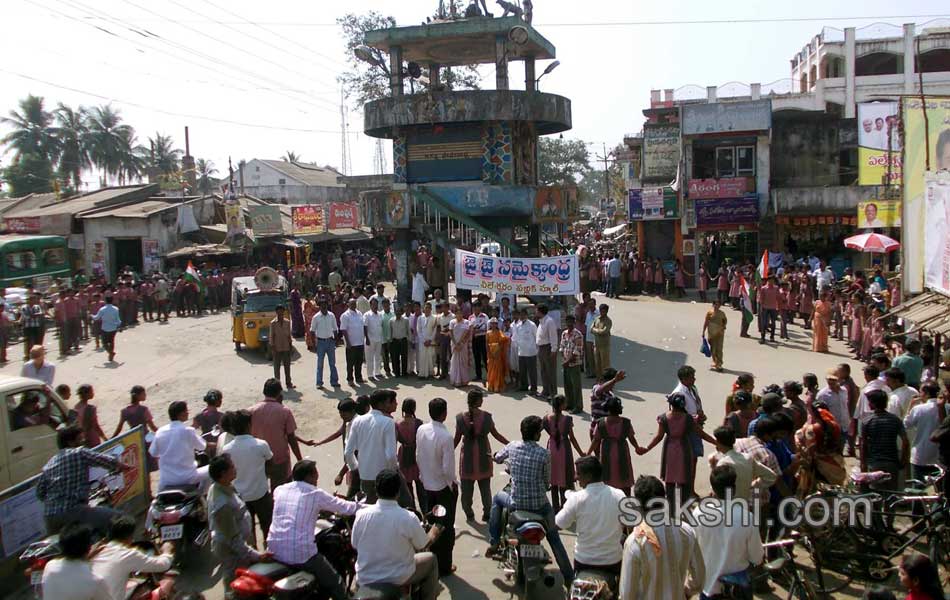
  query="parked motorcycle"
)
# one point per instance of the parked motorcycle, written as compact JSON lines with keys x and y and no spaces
{"x":521,"y":554}
{"x":178,"y":515}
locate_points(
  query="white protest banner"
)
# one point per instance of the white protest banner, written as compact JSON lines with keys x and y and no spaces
{"x":552,"y":276}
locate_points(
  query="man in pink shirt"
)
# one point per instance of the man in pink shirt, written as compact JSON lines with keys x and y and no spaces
{"x":274,"y":423}
{"x":73,"y":323}
{"x":768,"y":308}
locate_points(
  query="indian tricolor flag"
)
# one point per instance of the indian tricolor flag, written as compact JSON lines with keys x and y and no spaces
{"x":191,"y":275}
{"x":745,"y":300}
{"x":763,"y":270}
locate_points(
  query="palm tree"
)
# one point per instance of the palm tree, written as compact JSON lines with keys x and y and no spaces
{"x":132,"y":158}
{"x":291,"y":157}
{"x":71,"y":135}
{"x":204,"y":169}
{"x":108,"y":142}
{"x":162,"y":156}
{"x":32,"y":130}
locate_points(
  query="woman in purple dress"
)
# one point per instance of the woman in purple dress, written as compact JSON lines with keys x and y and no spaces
{"x":677,"y":463}
{"x":406,"y":436}
{"x":611,"y":436}
{"x":297,"y":328}
{"x":472,"y":429}
{"x":560,"y":430}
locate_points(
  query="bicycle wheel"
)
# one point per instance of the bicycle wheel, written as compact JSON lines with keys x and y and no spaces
{"x":938,"y":546}
{"x":802,"y":589}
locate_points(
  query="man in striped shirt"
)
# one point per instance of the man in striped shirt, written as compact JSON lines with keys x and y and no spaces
{"x":660,"y":562}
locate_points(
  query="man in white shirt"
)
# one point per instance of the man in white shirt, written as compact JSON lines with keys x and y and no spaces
{"x":729,"y":545}
{"x":590,"y":356}
{"x":548,"y":342}
{"x":38,"y":367}
{"x":924,"y":419}
{"x":373,"y":322}
{"x":425,"y":343}
{"x":525,"y":337}
{"x":443,"y":337}
{"x":435,"y":456}
{"x":419,"y":287}
{"x":836,"y":397}
{"x":595,"y":510}
{"x":479,"y":325}
{"x":354,"y":333}
{"x":901,"y":396}
{"x":250,"y":455}
{"x":297,"y":506}
{"x":174,"y":446}
{"x":71,"y":577}
{"x":694,"y":405}
{"x":749,"y":472}
{"x":863,"y":409}
{"x":373,"y":439}
{"x":401,"y":559}
{"x":325,"y":331}
{"x":119,"y":559}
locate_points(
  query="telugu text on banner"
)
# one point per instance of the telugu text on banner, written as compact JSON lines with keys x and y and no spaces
{"x":308,"y":219}
{"x":555,"y":275}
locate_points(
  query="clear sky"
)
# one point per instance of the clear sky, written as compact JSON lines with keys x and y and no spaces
{"x":274,"y":64}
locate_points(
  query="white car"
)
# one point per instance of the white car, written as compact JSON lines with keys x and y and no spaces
{"x":27,"y":428}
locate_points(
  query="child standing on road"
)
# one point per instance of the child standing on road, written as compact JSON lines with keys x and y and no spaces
{"x":406,"y":436}
{"x":560,"y":429}
{"x":348,"y":409}
{"x":86,"y":416}
{"x":210,"y":417}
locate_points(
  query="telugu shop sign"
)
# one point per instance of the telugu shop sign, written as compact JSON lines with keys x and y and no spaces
{"x":718,"y":188}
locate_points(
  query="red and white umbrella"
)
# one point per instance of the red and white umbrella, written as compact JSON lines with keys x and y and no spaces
{"x":872,"y":242}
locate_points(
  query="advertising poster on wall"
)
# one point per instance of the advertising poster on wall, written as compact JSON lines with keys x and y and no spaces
{"x":548,"y":205}
{"x":937,"y":235}
{"x":344,"y":215}
{"x":553,"y":275}
{"x":661,"y":151}
{"x":265,"y":220}
{"x":879,"y":143}
{"x":879,"y":213}
{"x":396,"y":215}
{"x":308,"y":219}
{"x":234,"y":219}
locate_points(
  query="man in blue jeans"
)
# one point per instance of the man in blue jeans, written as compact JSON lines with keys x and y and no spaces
{"x":530,"y":468}
{"x":613,"y":276}
{"x":325,"y":331}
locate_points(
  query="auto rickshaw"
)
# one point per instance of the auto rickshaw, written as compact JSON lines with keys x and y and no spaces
{"x":254,"y":302}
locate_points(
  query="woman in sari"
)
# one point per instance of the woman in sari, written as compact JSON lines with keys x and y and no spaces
{"x":818,"y":444}
{"x":460,"y":367}
{"x":821,"y":323}
{"x":309,"y":310}
{"x":497,"y":345}
{"x":296,"y":314}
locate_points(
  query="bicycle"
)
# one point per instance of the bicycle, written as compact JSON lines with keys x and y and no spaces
{"x":783,"y":570}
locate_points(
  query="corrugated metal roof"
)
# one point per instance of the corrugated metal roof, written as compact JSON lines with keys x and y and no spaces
{"x":90,"y":201}
{"x":306,"y":174}
{"x":929,"y":311}
{"x":140,"y":210}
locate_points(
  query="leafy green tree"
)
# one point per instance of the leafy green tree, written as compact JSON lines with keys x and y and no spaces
{"x":162,"y":156}
{"x":29,"y":173}
{"x":562,"y":161}
{"x":291,"y":157}
{"x":71,"y":135}
{"x":109,"y":143}
{"x":31,"y":130}
{"x":205,"y":170}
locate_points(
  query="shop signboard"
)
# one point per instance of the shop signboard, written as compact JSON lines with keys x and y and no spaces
{"x":553,"y":275}
{"x":727,"y":212}
{"x":661,"y":151}
{"x":445,"y":153}
{"x":726,"y":117}
{"x":22,"y":224}
{"x":479,"y":200}
{"x":926,"y":144}
{"x":344,"y":215}
{"x":308,"y":219}
{"x":735,"y":187}
{"x":879,"y":143}
{"x":652,"y":204}
{"x":879,"y":213}
{"x":265,"y":220}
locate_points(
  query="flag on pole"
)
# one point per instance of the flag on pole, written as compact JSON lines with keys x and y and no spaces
{"x":763,"y":271}
{"x":745,"y":300}
{"x":191,"y":275}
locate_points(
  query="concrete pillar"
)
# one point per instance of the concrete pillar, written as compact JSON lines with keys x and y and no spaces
{"x":395,"y":70}
{"x":435,"y":72}
{"x":762,"y":170}
{"x":849,"y":109}
{"x":756,"y":90}
{"x":711,"y":93}
{"x":910,"y":66}
{"x":529,"y":75}
{"x":501,"y":62}
{"x":654,"y":97}
{"x":668,"y":95}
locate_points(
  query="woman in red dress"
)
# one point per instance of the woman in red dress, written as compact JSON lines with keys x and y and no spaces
{"x":472,"y":429}
{"x":406,"y":436}
{"x":560,"y":429}
{"x":677,"y":463}
{"x":609,"y":444}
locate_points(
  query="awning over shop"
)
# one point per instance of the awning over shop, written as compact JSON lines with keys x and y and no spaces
{"x":929,"y":311}
{"x":202,"y":250}
{"x":290,"y":242}
{"x":615,"y":230}
{"x":338,"y":235}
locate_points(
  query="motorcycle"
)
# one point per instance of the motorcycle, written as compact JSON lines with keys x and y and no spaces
{"x":591,"y":583}
{"x":178,"y":515}
{"x":279,"y":581}
{"x":521,"y":554}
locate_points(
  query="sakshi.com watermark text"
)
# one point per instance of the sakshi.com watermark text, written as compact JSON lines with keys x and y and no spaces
{"x":790,"y":512}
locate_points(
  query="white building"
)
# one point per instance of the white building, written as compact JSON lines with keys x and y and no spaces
{"x":291,"y":183}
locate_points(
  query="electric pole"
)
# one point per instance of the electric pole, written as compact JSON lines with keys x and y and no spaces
{"x":606,"y":159}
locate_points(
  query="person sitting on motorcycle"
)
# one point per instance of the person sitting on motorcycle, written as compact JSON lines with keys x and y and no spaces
{"x":174,"y":446}
{"x":119,"y":559}
{"x":530,"y":468}
{"x":230,"y":521}
{"x":390,"y":542}
{"x":64,"y":485}
{"x":595,"y":510}
{"x":70,"y":577}
{"x":297,"y":506}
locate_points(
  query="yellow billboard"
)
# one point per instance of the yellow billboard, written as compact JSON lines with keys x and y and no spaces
{"x":879,"y":144}
{"x":879,"y":213}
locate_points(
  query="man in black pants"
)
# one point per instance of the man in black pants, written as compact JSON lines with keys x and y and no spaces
{"x":354,"y":334}
{"x":399,"y":344}
{"x":479,"y":321}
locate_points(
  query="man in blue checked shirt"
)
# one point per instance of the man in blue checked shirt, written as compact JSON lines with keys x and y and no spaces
{"x":108,"y":316}
{"x":530,"y":467}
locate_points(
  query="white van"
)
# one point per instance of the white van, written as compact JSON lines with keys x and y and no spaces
{"x":31,"y":415}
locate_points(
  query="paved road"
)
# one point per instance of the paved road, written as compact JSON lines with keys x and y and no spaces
{"x":181,"y":360}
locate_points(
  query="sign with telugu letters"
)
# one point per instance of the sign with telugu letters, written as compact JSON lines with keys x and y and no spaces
{"x":265,"y":220}
{"x":308,"y":219}
{"x":550,"y":276}
{"x":344,"y":215}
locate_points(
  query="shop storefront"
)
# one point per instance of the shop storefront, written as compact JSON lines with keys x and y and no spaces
{"x":656,"y":214}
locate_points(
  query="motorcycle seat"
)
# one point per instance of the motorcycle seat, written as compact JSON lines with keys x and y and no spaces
{"x":519,"y":517}
{"x":176,"y":494}
{"x":273,"y":570}
{"x":379,"y":591}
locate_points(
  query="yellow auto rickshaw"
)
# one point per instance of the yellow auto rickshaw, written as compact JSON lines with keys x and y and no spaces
{"x":254,"y":302}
